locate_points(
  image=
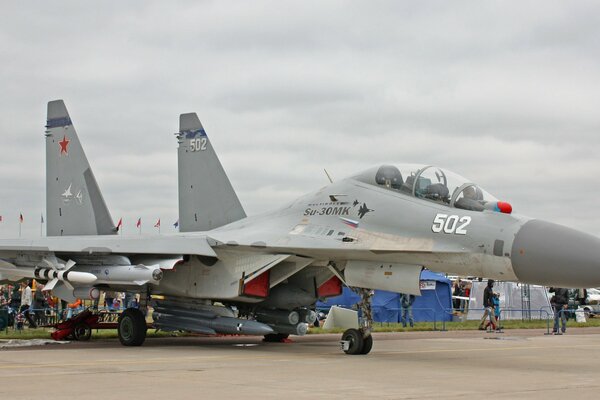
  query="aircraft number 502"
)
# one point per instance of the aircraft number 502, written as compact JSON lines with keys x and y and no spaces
{"x":198,"y":144}
{"x":450,"y":224}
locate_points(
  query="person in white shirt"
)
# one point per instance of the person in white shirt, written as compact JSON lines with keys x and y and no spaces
{"x":26,"y":300}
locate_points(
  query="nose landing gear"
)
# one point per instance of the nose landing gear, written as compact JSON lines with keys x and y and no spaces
{"x":360,"y":341}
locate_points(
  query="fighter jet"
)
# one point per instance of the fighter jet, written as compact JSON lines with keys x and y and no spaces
{"x":262,"y":275}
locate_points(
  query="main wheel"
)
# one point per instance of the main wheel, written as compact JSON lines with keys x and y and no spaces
{"x":355,"y":339}
{"x":367,"y":345}
{"x":275,"y":337}
{"x":82,"y":332}
{"x":132,"y":327}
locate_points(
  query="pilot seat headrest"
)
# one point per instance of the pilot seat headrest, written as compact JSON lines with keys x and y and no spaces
{"x":391,"y":174}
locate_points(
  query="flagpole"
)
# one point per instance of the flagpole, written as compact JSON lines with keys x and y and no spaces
{"x":20,"y":223}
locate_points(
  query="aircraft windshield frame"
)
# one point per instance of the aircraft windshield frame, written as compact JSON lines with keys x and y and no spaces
{"x":429,"y":183}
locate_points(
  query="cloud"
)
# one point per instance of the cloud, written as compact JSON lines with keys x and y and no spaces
{"x":505,"y":96}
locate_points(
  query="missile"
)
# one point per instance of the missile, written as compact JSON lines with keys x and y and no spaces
{"x":166,"y":323}
{"x":124,"y":274}
{"x":70,"y":276}
{"x":181,"y":312}
{"x":278,"y":316}
{"x":186,"y":304}
{"x":227,"y":325}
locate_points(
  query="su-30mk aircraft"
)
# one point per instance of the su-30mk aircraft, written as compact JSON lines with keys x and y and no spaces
{"x":228,"y":273}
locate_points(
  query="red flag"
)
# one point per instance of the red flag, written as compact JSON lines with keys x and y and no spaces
{"x":157,"y":224}
{"x":139,"y":223}
{"x":120,"y":223}
{"x":21,"y":218}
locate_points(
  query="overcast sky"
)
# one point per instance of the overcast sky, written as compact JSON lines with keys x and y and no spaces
{"x":506,"y":94}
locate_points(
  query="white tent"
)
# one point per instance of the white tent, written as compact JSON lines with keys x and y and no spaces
{"x":517,"y":301}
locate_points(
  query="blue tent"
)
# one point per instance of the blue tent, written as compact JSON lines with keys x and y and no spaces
{"x":435,"y":302}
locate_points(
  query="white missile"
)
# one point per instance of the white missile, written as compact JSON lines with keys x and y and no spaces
{"x":84,"y":278}
{"x":123,"y":274}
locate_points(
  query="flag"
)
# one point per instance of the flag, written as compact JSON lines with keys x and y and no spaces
{"x":0,"y":218}
{"x":139,"y":223}
{"x":176,"y":224}
{"x":42,"y":218}
{"x":120,"y":223}
{"x":21,"y":218}
{"x":157,"y":224}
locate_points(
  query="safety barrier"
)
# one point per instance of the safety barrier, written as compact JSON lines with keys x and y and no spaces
{"x":541,"y":310}
{"x":399,"y":310}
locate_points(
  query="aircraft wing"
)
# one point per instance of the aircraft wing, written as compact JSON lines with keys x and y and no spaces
{"x":166,"y":245}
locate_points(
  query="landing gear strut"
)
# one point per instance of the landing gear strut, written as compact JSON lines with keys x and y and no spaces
{"x":360,"y":341}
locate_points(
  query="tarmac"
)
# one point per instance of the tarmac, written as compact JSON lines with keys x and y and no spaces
{"x":517,"y":364}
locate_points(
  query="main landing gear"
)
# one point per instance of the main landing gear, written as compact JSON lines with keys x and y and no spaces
{"x":360,"y":341}
{"x":132,"y":327}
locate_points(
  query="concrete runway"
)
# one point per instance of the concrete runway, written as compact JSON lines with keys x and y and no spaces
{"x":468,"y":365}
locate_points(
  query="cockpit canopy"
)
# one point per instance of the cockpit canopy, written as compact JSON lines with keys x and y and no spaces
{"x":431,"y":183}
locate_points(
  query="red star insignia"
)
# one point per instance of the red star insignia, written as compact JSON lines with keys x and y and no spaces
{"x":64,"y":144}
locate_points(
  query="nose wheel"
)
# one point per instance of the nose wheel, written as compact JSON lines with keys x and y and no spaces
{"x":360,"y":341}
{"x":356,"y":341}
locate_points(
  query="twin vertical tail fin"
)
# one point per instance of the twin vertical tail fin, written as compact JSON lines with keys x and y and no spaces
{"x":206,"y":198}
{"x":74,"y":203}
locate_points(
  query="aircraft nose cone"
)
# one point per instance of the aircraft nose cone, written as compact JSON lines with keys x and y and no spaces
{"x":554,"y":255}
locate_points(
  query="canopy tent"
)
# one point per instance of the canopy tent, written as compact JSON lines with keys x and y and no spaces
{"x":434,"y":304}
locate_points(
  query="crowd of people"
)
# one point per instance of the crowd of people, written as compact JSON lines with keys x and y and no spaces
{"x":27,"y":304}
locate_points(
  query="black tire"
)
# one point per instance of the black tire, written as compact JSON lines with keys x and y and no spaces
{"x":587,"y":312}
{"x":367,"y":345}
{"x":355,"y":337}
{"x":275,"y":337}
{"x":82,"y":332}
{"x":132,"y":327}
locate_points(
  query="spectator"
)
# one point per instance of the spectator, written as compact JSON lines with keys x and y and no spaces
{"x":458,"y":291}
{"x":39,"y":304}
{"x":3,"y":297}
{"x":109,"y":299}
{"x":74,"y":308}
{"x":128,"y":300}
{"x":26,"y":301}
{"x":559,"y":302}
{"x":406,"y":301}
{"x":488,"y":313}
{"x":496,"y":303}
{"x":15,"y":298}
